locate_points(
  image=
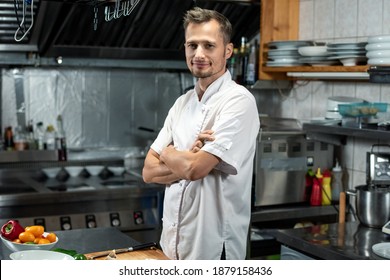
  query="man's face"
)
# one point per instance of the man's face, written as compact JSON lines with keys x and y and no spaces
{"x":206,"y":53}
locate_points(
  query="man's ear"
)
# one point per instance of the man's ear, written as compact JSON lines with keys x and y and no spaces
{"x":229,"y":50}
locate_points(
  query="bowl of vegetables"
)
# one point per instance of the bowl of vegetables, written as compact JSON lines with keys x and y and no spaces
{"x":18,"y":238}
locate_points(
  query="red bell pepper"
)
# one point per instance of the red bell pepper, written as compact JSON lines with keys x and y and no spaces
{"x":11,"y":230}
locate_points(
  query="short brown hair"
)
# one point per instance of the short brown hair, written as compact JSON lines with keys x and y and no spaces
{"x":198,"y":15}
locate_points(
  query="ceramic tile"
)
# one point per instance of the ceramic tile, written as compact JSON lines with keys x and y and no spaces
{"x":368,"y":91}
{"x":386,"y":17}
{"x":321,"y":92}
{"x":362,"y":146}
{"x":348,"y":153}
{"x":346,"y":18}
{"x":302,"y":95}
{"x":323,"y":19}
{"x":385,"y":94}
{"x":344,"y":89}
{"x":370,"y":17}
{"x":306,"y":19}
{"x":359,"y":178}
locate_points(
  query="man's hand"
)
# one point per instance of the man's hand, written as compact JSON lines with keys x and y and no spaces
{"x":206,"y":135}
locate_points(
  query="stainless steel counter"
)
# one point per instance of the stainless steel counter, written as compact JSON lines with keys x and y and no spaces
{"x":86,"y":241}
{"x":286,"y":212}
{"x":349,"y":241}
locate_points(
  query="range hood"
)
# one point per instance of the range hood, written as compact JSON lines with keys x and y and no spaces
{"x":80,"y":29}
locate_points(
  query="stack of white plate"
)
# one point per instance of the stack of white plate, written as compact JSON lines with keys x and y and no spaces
{"x":285,"y":53}
{"x":349,"y":54}
{"x":316,"y":56}
{"x":378,"y":50}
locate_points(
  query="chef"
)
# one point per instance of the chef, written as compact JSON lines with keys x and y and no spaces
{"x":204,"y":152}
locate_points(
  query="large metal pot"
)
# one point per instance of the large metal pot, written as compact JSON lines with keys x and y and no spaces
{"x":372,"y":205}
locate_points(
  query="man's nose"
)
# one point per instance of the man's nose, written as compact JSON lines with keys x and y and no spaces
{"x":199,"y":52}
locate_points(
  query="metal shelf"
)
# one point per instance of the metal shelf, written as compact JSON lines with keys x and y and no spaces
{"x":367,"y":131}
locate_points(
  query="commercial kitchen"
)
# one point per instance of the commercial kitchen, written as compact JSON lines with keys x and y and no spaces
{"x":111,"y":76}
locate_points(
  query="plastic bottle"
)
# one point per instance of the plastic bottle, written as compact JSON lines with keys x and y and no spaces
{"x":315,"y":198}
{"x":326,"y":195}
{"x":337,"y":181}
{"x":61,"y":140}
{"x":308,"y":184}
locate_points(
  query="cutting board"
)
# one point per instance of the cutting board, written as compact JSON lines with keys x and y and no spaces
{"x":145,"y":254}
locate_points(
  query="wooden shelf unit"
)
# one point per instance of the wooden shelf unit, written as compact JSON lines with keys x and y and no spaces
{"x":279,"y":21}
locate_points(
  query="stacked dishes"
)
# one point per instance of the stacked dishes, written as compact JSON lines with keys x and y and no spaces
{"x":285,"y":53}
{"x":350,"y":54}
{"x":316,"y":56}
{"x":378,"y":50}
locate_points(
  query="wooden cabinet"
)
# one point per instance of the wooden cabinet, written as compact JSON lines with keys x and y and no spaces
{"x":279,"y":21}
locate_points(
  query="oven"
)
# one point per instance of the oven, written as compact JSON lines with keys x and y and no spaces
{"x":64,"y":202}
{"x":283,"y":156}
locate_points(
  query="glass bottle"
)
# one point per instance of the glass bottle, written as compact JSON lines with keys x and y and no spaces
{"x":9,"y":139}
{"x":20,"y":140}
{"x":251,"y":68}
{"x":61,"y":140}
{"x":49,"y":140}
{"x":40,"y":133}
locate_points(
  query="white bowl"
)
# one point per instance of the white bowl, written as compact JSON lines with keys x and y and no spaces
{"x":333,"y":115}
{"x":94,"y":170}
{"x":40,"y":255}
{"x":378,"y":54}
{"x":15,"y":247}
{"x":378,"y":46}
{"x":74,"y":171}
{"x":353,"y":60}
{"x":313,"y":51}
{"x":117,"y":170}
{"x":379,"y":61}
{"x":379,"y":39}
{"x":51,"y":172}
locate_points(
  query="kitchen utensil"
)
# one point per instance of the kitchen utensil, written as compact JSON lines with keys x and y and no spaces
{"x":124,"y":250}
{"x":378,"y":165}
{"x":372,"y":204}
{"x":342,"y":202}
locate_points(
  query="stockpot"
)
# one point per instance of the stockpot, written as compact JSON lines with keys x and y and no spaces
{"x":372,"y":204}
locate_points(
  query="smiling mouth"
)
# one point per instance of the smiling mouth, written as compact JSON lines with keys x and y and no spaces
{"x":200,"y":64}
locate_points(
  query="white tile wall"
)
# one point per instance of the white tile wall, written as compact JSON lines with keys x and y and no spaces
{"x":340,"y":21}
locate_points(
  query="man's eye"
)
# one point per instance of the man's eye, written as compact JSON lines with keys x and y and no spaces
{"x":192,"y":46}
{"x":209,"y":46}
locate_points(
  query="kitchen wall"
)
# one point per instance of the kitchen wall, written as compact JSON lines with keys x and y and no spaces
{"x":100,"y":107}
{"x":337,"y":21}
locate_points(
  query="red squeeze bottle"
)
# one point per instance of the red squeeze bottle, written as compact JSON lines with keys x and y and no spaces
{"x":316,"y":197}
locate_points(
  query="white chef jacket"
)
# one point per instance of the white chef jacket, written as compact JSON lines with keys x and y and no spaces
{"x":202,"y":216}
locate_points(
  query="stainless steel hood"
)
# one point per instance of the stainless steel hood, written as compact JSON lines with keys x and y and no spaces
{"x":152,"y":31}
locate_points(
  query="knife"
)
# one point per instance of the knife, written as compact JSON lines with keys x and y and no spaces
{"x":124,"y":250}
